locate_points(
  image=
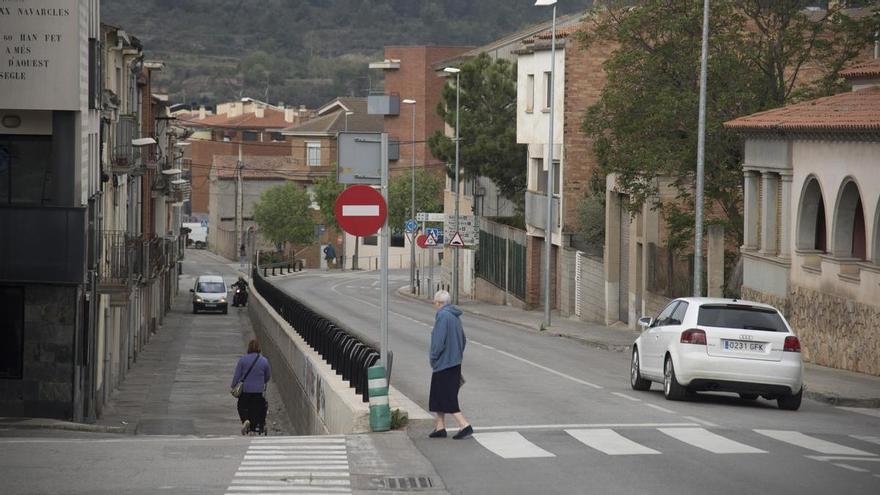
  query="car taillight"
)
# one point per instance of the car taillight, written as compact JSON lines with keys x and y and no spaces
{"x":693,"y":336}
{"x":792,"y":344}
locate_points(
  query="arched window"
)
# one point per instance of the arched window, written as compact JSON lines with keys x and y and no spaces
{"x":811,"y":218}
{"x":849,"y":223}
{"x":877,"y":235}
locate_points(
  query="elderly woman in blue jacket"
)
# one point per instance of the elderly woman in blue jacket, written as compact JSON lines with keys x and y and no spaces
{"x":447,"y":349}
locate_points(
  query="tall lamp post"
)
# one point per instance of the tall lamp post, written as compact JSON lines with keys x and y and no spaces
{"x":551,"y":177}
{"x":412,"y":243}
{"x":701,"y":158}
{"x":457,"y":72}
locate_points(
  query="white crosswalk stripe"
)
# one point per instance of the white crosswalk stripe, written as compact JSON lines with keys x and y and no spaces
{"x":610,"y":442}
{"x":811,"y":443}
{"x":293,"y":465}
{"x":867,"y":438}
{"x":510,"y":445}
{"x":706,"y":440}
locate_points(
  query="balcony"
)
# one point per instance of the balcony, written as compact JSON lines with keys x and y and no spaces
{"x":381,"y":104}
{"x":536,"y":210}
{"x":115,"y":268}
{"x":124,"y":156}
{"x":42,"y":244}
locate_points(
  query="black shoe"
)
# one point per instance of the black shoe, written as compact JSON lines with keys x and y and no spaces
{"x":464,"y":433}
{"x":438,"y":434}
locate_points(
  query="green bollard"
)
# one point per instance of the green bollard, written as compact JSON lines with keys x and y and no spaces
{"x":380,"y":411}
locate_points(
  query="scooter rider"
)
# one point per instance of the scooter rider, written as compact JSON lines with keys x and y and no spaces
{"x":240,"y":298}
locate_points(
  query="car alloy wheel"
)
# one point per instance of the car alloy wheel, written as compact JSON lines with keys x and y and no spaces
{"x":635,"y":376}
{"x":671,"y":388}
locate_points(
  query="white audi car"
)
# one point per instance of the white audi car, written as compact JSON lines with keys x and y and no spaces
{"x":726,"y":345}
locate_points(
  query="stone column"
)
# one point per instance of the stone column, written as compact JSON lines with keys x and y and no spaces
{"x":768,"y":213}
{"x":715,"y":261}
{"x":785,"y":217}
{"x":750,"y":210}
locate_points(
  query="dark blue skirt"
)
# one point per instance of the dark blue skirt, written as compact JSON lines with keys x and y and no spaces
{"x":443,"y":397}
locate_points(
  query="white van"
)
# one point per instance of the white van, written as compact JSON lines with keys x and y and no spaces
{"x":210,"y":293}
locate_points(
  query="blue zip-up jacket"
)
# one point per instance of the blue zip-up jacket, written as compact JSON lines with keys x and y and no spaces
{"x":256,"y":382}
{"x":447,"y":339}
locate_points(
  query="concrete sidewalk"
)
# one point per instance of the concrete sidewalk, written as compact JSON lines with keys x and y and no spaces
{"x":829,"y":385}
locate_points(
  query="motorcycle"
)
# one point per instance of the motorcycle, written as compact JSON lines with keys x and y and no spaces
{"x":240,"y":298}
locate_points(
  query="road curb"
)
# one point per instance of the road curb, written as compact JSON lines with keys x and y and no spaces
{"x":836,"y":400}
{"x":47,"y":424}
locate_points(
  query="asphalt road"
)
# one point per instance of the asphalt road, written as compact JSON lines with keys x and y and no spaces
{"x":555,"y":417}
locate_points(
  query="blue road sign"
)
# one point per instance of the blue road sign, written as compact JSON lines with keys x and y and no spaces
{"x":438,"y":234}
{"x":411,"y":225}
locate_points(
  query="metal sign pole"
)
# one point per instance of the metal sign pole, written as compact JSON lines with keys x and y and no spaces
{"x":383,"y":253}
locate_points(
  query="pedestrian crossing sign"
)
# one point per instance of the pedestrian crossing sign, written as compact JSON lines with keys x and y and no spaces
{"x":456,"y":240}
{"x":432,"y":241}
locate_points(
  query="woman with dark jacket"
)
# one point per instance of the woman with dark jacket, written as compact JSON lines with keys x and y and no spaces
{"x":252,"y":368}
{"x":447,"y":350}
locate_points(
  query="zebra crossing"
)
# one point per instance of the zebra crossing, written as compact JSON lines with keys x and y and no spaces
{"x":293,"y":465}
{"x":609,"y":441}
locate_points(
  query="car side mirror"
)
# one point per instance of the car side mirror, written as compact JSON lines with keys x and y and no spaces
{"x":192,"y":290}
{"x":645,"y":321}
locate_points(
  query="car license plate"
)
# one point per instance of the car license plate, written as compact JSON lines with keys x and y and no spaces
{"x":210,"y":305}
{"x":742,"y":346}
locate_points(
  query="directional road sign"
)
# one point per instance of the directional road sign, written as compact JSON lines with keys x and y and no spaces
{"x":360,"y":210}
{"x":430,"y":217}
{"x":467,"y":228}
{"x":411,"y":225}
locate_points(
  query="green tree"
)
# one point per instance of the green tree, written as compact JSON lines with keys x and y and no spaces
{"x":488,"y":126}
{"x":428,"y":198}
{"x":645,"y":122}
{"x":326,"y":190}
{"x":283,"y":214}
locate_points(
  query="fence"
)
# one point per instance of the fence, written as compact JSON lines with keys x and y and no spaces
{"x":501,"y":258}
{"x":347,"y":354}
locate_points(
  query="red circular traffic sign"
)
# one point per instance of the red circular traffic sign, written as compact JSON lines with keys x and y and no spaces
{"x":360,"y":210}
{"x":422,"y":240}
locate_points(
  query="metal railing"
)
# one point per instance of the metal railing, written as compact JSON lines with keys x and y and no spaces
{"x":116,"y":256}
{"x":346,"y":353}
{"x":124,"y":153}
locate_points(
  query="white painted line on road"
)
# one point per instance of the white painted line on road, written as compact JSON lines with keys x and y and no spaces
{"x":582,"y":425}
{"x":152,"y":438}
{"x":843,"y":458}
{"x":811,"y":443}
{"x":268,"y":457}
{"x":851,"y":468}
{"x":706,"y":440}
{"x":294,"y":482}
{"x":290,"y":474}
{"x":299,"y":440}
{"x":310,"y":467}
{"x":867,"y":438}
{"x":627,"y":397}
{"x":610,"y":442}
{"x":299,"y":459}
{"x":702,"y":421}
{"x":662,"y":409}
{"x":510,"y":445}
{"x":549,"y":370}
{"x":484,"y":345}
{"x":300,"y":446}
{"x":862,"y":410}
{"x":286,"y":490}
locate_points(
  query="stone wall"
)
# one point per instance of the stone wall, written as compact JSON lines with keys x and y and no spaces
{"x":833,"y":331}
{"x":487,"y":292}
{"x":46,"y":386}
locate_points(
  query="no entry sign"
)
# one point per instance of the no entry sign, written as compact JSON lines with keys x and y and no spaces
{"x":360,"y":210}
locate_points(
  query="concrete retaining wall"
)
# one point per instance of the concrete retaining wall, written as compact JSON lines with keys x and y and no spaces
{"x":318,"y":400}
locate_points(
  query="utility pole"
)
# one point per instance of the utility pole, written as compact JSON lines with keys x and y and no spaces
{"x":455,"y":249}
{"x":239,"y":201}
{"x":701,"y":158}
{"x":551,"y":176}
{"x":412,"y":243}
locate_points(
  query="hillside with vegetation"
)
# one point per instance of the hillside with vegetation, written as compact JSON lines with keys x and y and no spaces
{"x":302,"y":51}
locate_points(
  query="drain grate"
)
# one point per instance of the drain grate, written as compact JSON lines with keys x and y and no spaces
{"x":408,"y":484}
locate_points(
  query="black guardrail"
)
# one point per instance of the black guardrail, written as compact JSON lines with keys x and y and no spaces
{"x":282,"y":267}
{"x":346,"y":353}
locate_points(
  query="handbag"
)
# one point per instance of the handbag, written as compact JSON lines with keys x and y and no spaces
{"x":239,"y":387}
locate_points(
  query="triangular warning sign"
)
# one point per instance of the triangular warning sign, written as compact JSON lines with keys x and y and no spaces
{"x":431,"y":241}
{"x":456,"y":240}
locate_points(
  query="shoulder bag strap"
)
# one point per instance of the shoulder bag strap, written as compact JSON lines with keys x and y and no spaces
{"x":252,"y":367}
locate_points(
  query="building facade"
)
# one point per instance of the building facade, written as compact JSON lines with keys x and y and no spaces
{"x":812,"y":219}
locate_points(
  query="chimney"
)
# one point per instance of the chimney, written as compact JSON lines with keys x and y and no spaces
{"x":289,"y":114}
{"x":202,"y":112}
{"x":259,"y":111}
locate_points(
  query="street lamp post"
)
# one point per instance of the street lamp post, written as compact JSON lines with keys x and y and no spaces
{"x":455,"y":249}
{"x":548,"y":229}
{"x":412,"y":244}
{"x":701,"y":158}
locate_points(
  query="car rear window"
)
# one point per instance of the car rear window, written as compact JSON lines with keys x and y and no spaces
{"x":211,"y":287}
{"x":741,"y":317}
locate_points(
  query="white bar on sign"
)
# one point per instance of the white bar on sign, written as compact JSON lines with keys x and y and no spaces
{"x":360,"y":210}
